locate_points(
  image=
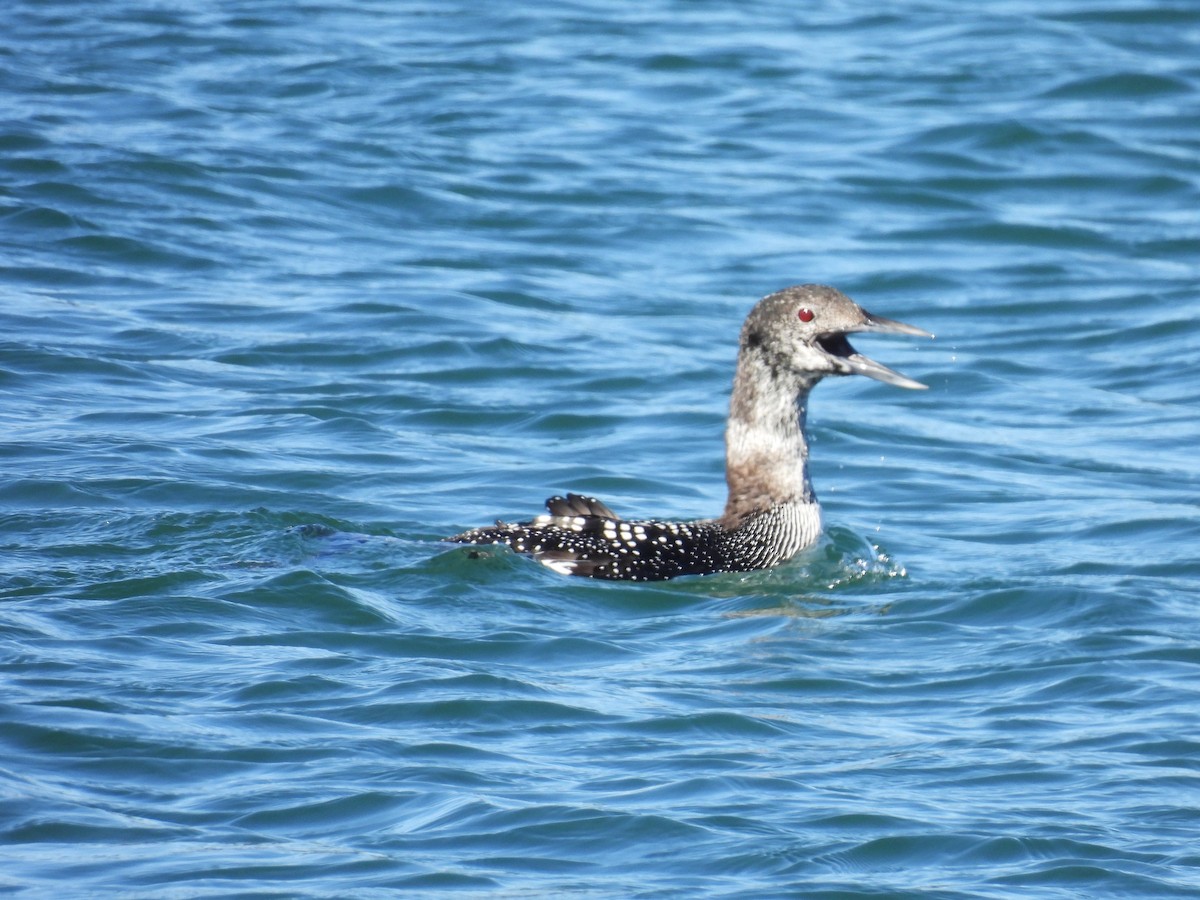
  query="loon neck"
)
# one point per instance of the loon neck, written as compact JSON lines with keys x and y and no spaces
{"x":766,"y":451}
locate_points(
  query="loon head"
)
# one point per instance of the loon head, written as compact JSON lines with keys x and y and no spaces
{"x":803,"y":329}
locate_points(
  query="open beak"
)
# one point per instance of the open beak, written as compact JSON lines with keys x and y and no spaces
{"x":837,"y":345}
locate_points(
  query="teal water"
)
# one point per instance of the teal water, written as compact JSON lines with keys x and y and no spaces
{"x":287,"y":292}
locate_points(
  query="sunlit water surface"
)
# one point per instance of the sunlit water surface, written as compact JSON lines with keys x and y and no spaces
{"x":288,"y":292}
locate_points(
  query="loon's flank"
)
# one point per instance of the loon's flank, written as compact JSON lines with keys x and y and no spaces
{"x":790,"y":341}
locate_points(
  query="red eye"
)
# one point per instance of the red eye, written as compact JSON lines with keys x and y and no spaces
{"x":806,"y":315}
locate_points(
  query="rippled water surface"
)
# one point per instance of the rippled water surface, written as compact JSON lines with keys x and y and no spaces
{"x":287,"y":292}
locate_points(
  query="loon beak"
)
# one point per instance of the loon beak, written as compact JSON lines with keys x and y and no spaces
{"x":864,"y":365}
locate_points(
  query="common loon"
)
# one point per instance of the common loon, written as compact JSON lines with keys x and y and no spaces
{"x":790,"y":341}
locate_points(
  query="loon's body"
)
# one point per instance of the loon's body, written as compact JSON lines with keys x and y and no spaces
{"x":790,"y":341}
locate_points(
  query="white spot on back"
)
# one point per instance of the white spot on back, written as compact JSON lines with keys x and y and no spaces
{"x":561,"y":566}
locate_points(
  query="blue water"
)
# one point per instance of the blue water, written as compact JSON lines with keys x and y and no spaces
{"x":287,"y":292}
